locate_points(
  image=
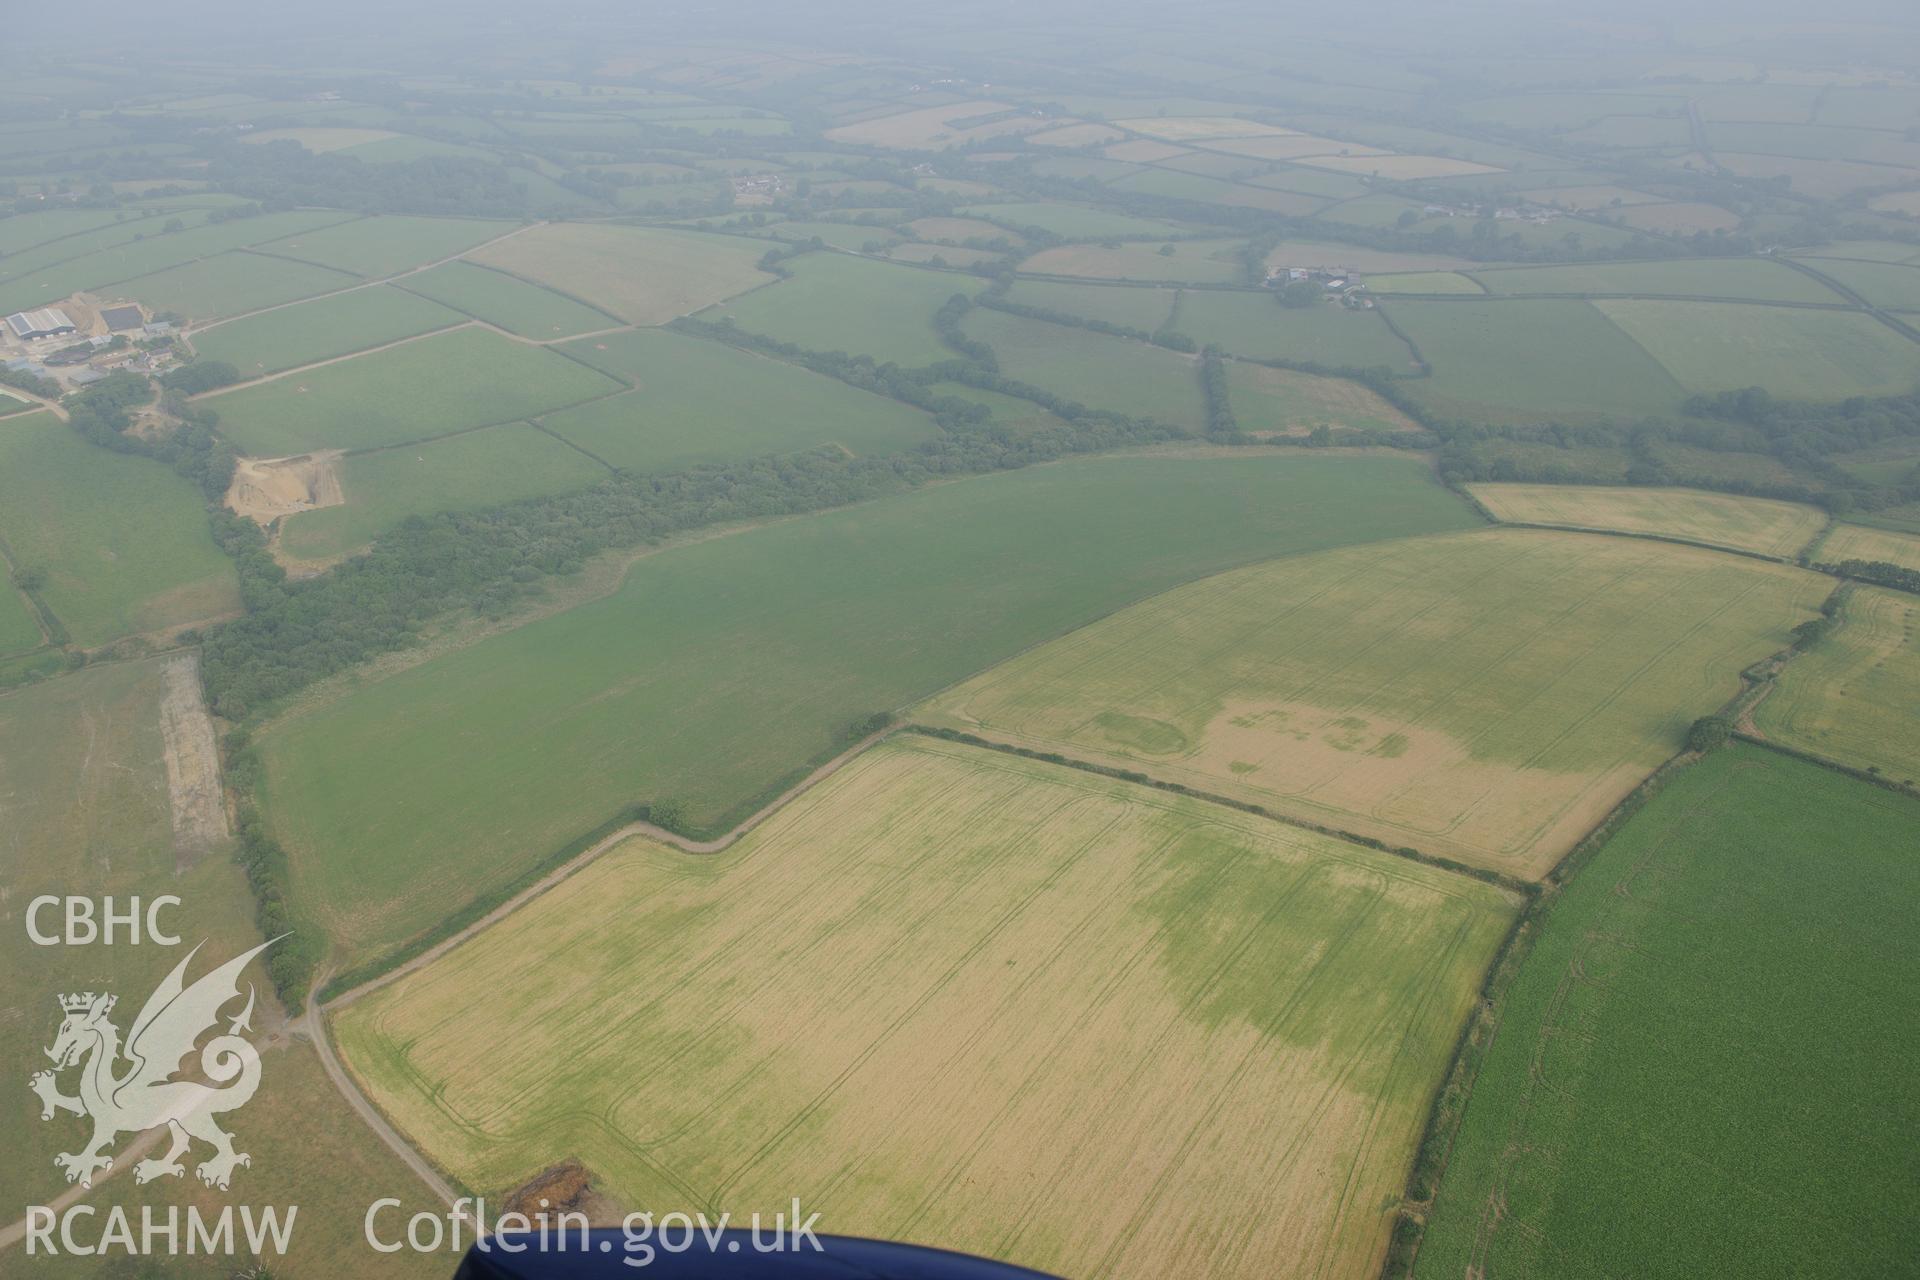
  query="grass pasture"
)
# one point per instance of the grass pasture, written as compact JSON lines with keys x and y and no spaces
{"x":377,"y":247}
{"x":1531,"y":360}
{"x":1754,"y":279}
{"x":1073,"y":221}
{"x":1486,"y":696}
{"x":1099,"y":371}
{"x":19,"y":629}
{"x":231,"y":284}
{"x":122,"y":540}
{"x":1701,"y":1069}
{"x":1799,"y":354}
{"x":1255,"y":325}
{"x":1282,"y":402}
{"x":322,"y":329}
{"x":1134,"y":308}
{"x":458,"y":473}
{"x":440,"y":384}
{"x":701,"y":401}
{"x":1851,"y":697}
{"x":1191,"y":262}
{"x":719,"y":669}
{"x":1205,"y":1041}
{"x":837,"y":302}
{"x":644,"y":275}
{"x":1717,"y":519}
{"x":507,"y":301}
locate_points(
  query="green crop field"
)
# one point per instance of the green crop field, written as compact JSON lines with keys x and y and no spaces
{"x":1257,"y":326}
{"x":1283,"y":402}
{"x":230,"y":285}
{"x":1851,"y":697}
{"x":1098,"y":984}
{"x":1486,"y":697}
{"x":463,"y":472}
{"x":644,"y":275}
{"x":322,"y":329}
{"x":837,"y":302}
{"x":1718,"y":519}
{"x":1073,"y":221}
{"x":701,"y":401}
{"x":12,"y":404}
{"x":1096,"y":370}
{"x":19,"y":630}
{"x":1896,"y":288}
{"x":1537,"y":360}
{"x":84,"y":767}
{"x":1146,"y":309}
{"x":449,"y":382}
{"x":749,"y":670}
{"x":1424,"y":282}
{"x":1799,"y":354}
{"x":507,"y":301}
{"x":1758,"y":279}
{"x":377,"y":247}
{"x":1704,"y":1066}
{"x":122,"y":541}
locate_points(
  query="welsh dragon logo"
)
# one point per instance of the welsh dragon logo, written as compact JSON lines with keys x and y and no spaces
{"x":143,"y":1094}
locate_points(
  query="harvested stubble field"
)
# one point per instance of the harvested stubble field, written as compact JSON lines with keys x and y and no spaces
{"x":469,"y":377}
{"x":1192,"y":261}
{"x":1704,"y":1067}
{"x":1717,"y":519}
{"x":1857,"y":542}
{"x":1485,"y":697}
{"x":644,"y":275}
{"x":1096,"y":1029}
{"x":1282,"y":402}
{"x":376,"y":247}
{"x":122,"y":540}
{"x":1851,"y":697}
{"x":719,"y":670}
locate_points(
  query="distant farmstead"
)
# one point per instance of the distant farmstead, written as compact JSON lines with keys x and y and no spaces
{"x":48,"y":322}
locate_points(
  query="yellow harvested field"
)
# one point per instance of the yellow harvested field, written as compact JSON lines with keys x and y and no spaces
{"x":1401,"y":168}
{"x":1186,"y":128}
{"x":1857,"y":542}
{"x":1851,"y":697}
{"x":1076,"y":135}
{"x":1907,"y":202}
{"x":1716,"y":519}
{"x":1485,"y":696}
{"x":940,"y":127}
{"x":321,"y":139}
{"x":970,"y":1000}
{"x":1292,"y":147}
{"x":644,"y":275}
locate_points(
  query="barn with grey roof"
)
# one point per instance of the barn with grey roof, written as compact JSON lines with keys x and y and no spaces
{"x":47,"y":322}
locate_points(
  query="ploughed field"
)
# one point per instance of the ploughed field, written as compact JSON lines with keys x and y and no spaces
{"x":971,"y":1000}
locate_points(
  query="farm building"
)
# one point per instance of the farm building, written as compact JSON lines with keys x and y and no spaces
{"x":120,"y":319}
{"x":45,"y":323}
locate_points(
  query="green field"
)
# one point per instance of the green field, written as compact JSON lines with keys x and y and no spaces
{"x":1284,"y":402}
{"x":507,"y":301}
{"x":122,"y":541}
{"x":1758,"y":279}
{"x":322,"y":329}
{"x":837,"y":302}
{"x":437,"y":385}
{"x":1486,"y":696}
{"x":1146,"y":309}
{"x":1101,"y":372}
{"x":720,"y":669}
{"x":83,"y":770}
{"x":1717,"y":519}
{"x":1537,"y":360}
{"x":1424,"y":282}
{"x":701,"y":401}
{"x":1798,"y":354}
{"x":13,"y":404}
{"x":460,"y":473}
{"x":19,"y":630}
{"x":381,"y":246}
{"x":1073,"y":221}
{"x":1257,"y":326}
{"x":1207,"y":1041}
{"x":1851,"y":697}
{"x":230,"y":285}
{"x":1896,"y":288}
{"x":1192,"y":261}
{"x":1704,"y":1066}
